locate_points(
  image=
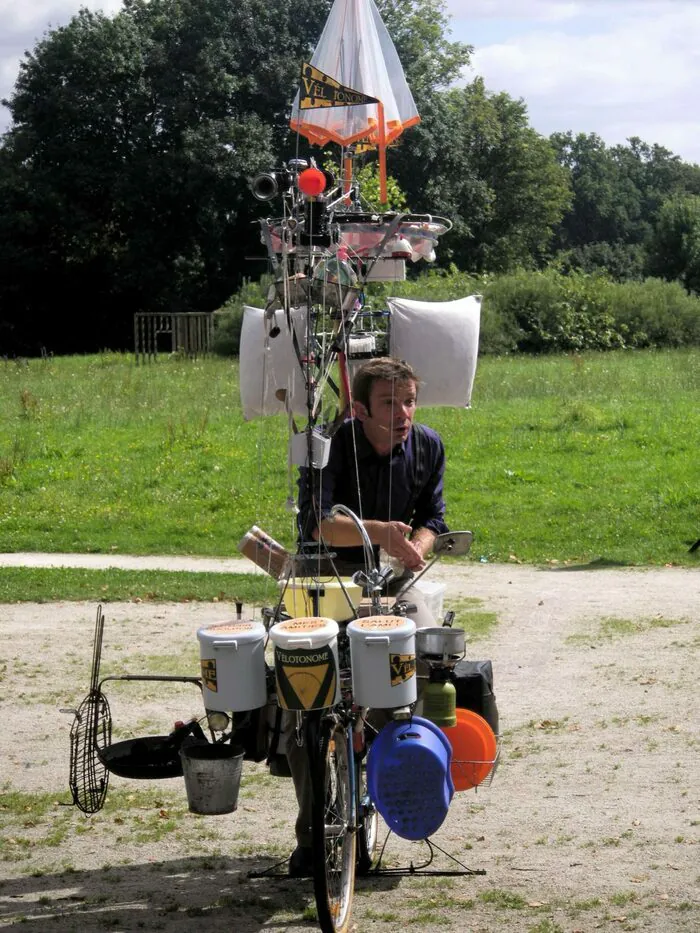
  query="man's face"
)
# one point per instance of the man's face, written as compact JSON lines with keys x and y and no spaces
{"x":392,"y":406}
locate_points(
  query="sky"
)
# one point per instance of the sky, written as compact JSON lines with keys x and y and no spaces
{"x":618,"y":68}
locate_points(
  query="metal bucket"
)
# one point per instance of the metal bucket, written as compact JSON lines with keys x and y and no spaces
{"x":212,"y":777}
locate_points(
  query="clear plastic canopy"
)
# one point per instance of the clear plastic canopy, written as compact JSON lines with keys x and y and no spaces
{"x":356,"y":50}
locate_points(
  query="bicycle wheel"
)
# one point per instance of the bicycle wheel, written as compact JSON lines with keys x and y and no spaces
{"x":332,"y":822}
{"x":367,"y":820}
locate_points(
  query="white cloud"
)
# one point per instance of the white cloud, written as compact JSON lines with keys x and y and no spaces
{"x":636,"y":73}
{"x":25,"y":23}
{"x":541,"y":10}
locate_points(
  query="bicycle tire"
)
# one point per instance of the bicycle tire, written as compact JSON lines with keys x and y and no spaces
{"x":367,"y":821}
{"x":333,"y":821}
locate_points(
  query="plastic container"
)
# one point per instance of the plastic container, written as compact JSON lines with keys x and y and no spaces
{"x":212,"y":777}
{"x":306,"y":663}
{"x":408,"y":777}
{"x":232,"y":659}
{"x":434,"y":596}
{"x":474,"y":749}
{"x":383,"y":656}
{"x":299,"y":598}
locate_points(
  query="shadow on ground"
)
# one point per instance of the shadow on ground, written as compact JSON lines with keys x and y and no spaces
{"x":215,"y":894}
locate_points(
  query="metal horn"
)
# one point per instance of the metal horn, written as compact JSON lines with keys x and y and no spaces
{"x":264,"y":186}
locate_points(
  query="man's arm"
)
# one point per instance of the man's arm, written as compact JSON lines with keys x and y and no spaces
{"x":341,"y":531}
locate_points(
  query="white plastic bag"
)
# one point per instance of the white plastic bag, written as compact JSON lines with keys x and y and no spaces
{"x":269,"y":364}
{"x":440,"y":340}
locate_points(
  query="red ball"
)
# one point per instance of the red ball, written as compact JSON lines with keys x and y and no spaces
{"x":312,"y":182}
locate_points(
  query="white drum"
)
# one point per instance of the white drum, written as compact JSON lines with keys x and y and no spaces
{"x":232,"y":659}
{"x":383,"y":656}
{"x":306,"y":663}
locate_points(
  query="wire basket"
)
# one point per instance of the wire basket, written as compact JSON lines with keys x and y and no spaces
{"x":475,"y":774}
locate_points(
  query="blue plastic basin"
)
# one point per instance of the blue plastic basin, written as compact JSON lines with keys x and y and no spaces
{"x":408,"y":777}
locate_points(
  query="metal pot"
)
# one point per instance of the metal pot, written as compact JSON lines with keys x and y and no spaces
{"x":440,"y":642}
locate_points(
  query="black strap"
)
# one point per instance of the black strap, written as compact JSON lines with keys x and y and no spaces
{"x":420,"y":465}
{"x":420,"y":440}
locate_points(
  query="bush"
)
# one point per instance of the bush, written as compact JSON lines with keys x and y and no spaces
{"x":530,"y":312}
{"x":547,"y":312}
{"x":228,"y":320}
{"x":655,"y":313}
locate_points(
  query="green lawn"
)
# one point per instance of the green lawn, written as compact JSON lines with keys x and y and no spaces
{"x":583,"y":458}
{"x":48,"y":584}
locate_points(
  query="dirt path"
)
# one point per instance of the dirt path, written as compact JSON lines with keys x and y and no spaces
{"x":592,"y":821}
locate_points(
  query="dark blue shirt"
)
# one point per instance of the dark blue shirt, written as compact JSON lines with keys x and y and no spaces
{"x":400,"y":486}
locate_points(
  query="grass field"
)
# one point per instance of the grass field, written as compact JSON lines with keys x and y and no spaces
{"x":48,"y":584}
{"x":568,"y":459}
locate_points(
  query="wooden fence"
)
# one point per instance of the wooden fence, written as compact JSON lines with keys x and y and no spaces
{"x":188,"y":334}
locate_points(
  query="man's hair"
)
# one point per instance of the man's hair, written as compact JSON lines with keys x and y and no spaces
{"x":383,"y":367}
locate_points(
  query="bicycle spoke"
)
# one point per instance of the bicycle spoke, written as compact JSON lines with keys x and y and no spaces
{"x":333,"y":819}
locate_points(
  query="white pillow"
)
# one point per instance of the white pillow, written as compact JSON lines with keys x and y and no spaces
{"x":268,"y":364}
{"x":440,"y":340}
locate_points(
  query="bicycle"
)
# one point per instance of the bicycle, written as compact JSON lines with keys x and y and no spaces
{"x":344,"y":819}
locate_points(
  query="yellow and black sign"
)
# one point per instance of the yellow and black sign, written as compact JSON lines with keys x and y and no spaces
{"x":403,"y":667}
{"x":306,"y":678}
{"x":320,"y":90}
{"x":208,"y":667}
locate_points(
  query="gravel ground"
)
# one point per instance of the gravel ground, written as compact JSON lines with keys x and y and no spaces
{"x":592,"y":820}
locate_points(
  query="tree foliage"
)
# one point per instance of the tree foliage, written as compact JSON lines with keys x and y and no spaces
{"x":675,"y":246}
{"x":420,"y":31}
{"x":618,"y":193}
{"x":128,"y":160}
{"x":124,"y":175}
{"x":476,"y":156}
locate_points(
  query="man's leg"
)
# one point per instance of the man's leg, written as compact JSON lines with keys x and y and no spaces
{"x":421,"y":615}
{"x":298,"y":758}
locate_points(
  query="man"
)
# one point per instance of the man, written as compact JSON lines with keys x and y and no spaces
{"x":389,"y":472}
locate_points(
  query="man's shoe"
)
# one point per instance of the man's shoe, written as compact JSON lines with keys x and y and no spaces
{"x":301,"y":862}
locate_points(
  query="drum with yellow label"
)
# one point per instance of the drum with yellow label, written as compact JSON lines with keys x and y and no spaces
{"x":383,"y":656}
{"x":306,"y":663}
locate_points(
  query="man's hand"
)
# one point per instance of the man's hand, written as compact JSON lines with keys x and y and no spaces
{"x":423,"y":540}
{"x":392,"y":537}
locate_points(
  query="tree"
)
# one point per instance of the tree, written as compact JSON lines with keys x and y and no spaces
{"x":674,"y":252}
{"x":476,"y":157}
{"x":606,"y":205}
{"x":127,"y":162}
{"x":617,"y":194}
{"x":420,"y":31}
